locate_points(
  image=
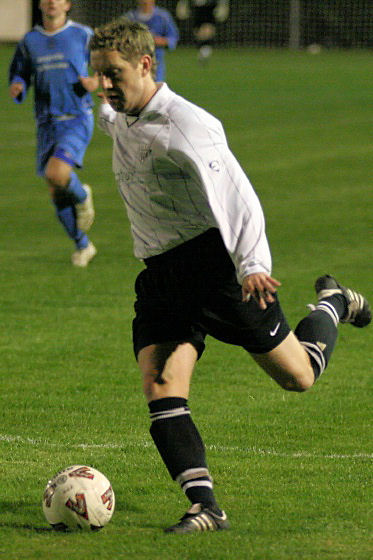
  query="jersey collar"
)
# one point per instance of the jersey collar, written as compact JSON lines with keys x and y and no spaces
{"x":159,"y":99}
{"x":43,"y":31}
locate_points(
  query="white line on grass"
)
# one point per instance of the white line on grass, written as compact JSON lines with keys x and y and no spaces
{"x":221,"y":448}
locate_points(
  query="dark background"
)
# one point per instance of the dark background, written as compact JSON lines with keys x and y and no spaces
{"x":330,"y":23}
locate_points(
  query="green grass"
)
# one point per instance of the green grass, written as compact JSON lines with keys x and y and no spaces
{"x":293,"y":471}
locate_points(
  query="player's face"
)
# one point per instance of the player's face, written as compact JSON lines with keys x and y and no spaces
{"x":127,"y":86}
{"x":146,"y":6}
{"x":54,"y":8}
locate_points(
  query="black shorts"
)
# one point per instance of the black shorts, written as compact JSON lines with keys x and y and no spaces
{"x":191,"y":291}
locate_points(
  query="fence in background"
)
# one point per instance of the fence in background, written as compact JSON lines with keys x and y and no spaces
{"x":270,"y":23}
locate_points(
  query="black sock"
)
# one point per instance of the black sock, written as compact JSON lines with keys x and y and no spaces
{"x":336,"y":304}
{"x":181,"y":448}
{"x":318,"y":334}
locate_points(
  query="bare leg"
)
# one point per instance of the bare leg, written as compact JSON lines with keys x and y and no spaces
{"x":288,"y":364}
{"x":167,"y":370}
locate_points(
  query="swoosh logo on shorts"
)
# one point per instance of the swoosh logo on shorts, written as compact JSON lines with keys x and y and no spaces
{"x":274,"y":332}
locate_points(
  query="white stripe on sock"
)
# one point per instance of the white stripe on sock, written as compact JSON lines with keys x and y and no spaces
{"x":163,"y":414}
{"x":190,"y":474}
{"x":329,"y":309}
{"x":195,"y":483}
{"x":314,"y":351}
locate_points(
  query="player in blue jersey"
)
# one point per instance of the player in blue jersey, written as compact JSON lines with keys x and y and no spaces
{"x":53,"y":57}
{"x":163,"y":28}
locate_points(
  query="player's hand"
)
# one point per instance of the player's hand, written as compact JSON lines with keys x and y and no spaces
{"x":16,"y":89}
{"x":261,"y":287}
{"x":160,"y":41}
{"x":90,"y":83}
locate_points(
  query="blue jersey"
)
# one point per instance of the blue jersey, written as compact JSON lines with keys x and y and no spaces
{"x":161,"y":24}
{"x":52,"y":62}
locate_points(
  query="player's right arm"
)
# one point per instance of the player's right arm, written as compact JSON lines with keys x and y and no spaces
{"x":20,"y":71}
{"x":170,"y":35}
{"x":106,"y":116}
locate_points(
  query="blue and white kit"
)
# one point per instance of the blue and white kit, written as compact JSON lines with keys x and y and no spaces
{"x":52,"y":62}
{"x":160,"y":23}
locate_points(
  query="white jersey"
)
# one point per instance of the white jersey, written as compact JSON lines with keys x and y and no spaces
{"x":178,"y":178}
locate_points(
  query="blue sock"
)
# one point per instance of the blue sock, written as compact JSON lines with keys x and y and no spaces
{"x":76,"y":189}
{"x":67,"y":217}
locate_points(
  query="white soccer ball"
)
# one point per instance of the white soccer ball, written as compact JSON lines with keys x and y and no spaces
{"x":78,"y":497}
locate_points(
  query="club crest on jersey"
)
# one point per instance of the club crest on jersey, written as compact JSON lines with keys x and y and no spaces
{"x":144,"y":152}
{"x":214,"y":165}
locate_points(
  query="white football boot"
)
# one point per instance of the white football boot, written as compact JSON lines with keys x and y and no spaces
{"x":85,"y":212}
{"x":82,"y":257}
{"x":358,"y":314}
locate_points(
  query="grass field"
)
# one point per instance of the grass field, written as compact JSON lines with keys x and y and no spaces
{"x":293,"y":471}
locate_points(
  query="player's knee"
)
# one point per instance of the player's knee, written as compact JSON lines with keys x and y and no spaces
{"x":299,"y":383}
{"x":55,"y":179}
{"x":151,"y":384}
{"x":147,"y":387}
{"x":57,"y":176}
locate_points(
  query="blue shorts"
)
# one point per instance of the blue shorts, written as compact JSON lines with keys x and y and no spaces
{"x":69,"y":138}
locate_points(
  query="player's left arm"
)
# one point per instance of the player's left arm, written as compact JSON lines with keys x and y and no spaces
{"x":90,"y":83}
{"x":261,"y":287}
{"x":235,"y":209}
{"x":170,"y":34}
{"x":106,"y":116}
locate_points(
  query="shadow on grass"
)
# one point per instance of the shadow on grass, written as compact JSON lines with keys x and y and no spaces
{"x":26,"y":527}
{"x":18,"y":512}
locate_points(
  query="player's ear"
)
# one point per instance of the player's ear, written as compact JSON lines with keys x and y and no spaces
{"x":147,"y":64}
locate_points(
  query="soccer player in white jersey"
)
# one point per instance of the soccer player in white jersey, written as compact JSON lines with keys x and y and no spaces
{"x":54,"y":58}
{"x":199,"y":228}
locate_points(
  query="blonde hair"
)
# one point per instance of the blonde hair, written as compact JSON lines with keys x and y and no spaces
{"x":131,"y":39}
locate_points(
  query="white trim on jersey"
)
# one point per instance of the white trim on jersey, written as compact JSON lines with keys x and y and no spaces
{"x":43,"y":31}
